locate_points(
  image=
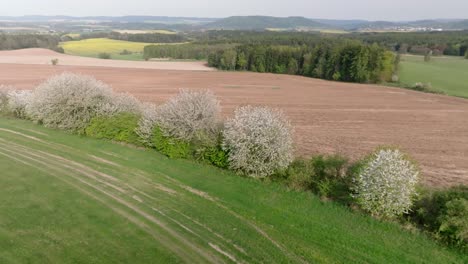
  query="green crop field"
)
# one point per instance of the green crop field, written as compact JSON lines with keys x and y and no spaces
{"x":447,"y":74}
{"x":70,"y":199}
{"x":92,"y":48}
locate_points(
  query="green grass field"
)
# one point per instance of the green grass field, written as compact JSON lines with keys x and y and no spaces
{"x":447,"y":74}
{"x":70,"y":199}
{"x":92,"y":48}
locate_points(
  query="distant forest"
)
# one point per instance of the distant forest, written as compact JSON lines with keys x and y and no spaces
{"x":139,"y":37}
{"x":349,"y":61}
{"x":24,"y":41}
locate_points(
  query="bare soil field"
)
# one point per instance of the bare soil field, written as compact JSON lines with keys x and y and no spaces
{"x":329,"y":117}
{"x":44,"y":57}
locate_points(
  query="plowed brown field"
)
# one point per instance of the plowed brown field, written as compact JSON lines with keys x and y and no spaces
{"x":329,"y":117}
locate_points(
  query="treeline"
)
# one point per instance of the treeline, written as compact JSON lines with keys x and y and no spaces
{"x":453,"y":43}
{"x":349,"y":61}
{"x":139,"y":37}
{"x":24,"y":41}
{"x":184,"y":51}
{"x":257,"y":37}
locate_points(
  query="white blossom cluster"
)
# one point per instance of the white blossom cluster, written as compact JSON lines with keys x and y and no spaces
{"x":4,"y":91}
{"x":259,"y":141}
{"x":13,"y":102}
{"x":189,"y":113}
{"x":69,"y":101}
{"x":17,"y":102}
{"x":147,"y":123}
{"x":386,"y":185}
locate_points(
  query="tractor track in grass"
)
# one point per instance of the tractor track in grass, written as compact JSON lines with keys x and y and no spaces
{"x":109,"y":185}
{"x":181,"y":252}
{"x":178,"y":184}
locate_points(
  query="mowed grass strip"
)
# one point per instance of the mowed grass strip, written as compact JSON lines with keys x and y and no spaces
{"x":71,"y":199}
{"x":447,"y":74}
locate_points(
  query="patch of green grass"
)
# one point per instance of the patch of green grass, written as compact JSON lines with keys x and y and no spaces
{"x":93,"y":47}
{"x":70,"y":199}
{"x":447,"y":74}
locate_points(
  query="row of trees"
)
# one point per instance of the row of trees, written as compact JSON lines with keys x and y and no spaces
{"x":183,"y":51}
{"x":350,"y":61}
{"x":139,"y":37}
{"x":447,"y":43}
{"x":454,"y":43}
{"x":23,"y":41}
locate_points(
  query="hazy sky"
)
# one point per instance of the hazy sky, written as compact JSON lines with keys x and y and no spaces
{"x":336,"y":9}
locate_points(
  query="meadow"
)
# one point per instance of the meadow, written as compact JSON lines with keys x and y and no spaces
{"x":93,"y":47}
{"x":446,"y":74}
{"x":65,"y":198}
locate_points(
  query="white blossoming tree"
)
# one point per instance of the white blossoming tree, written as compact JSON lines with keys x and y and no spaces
{"x":386,"y":184}
{"x":17,"y":102}
{"x":69,"y":101}
{"x":189,"y":113}
{"x":259,"y":141}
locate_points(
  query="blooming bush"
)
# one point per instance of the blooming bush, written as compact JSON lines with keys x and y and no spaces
{"x":259,"y":141}
{"x":69,"y":101}
{"x":188,"y":114}
{"x":17,"y":102}
{"x":4,"y":91}
{"x":386,"y":184}
{"x":147,"y":124}
{"x":121,"y":103}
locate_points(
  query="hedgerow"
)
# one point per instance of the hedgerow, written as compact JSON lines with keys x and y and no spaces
{"x":120,"y":127}
{"x":147,"y":124}
{"x":172,"y":147}
{"x":443,"y":213}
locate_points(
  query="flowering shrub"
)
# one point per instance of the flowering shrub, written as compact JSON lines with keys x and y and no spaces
{"x":68,"y":101}
{"x":147,"y":124}
{"x":258,"y":140}
{"x":17,"y":102}
{"x":4,"y":91}
{"x":386,"y":184}
{"x":121,"y":103}
{"x":188,"y":114}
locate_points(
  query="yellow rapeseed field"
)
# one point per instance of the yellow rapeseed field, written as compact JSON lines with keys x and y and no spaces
{"x":92,"y":47}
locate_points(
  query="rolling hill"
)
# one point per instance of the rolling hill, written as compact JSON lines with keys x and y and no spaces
{"x":263,"y":22}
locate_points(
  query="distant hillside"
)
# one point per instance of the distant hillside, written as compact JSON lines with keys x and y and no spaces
{"x":108,"y":19}
{"x":462,"y":24}
{"x":71,"y":23}
{"x":263,"y":22}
